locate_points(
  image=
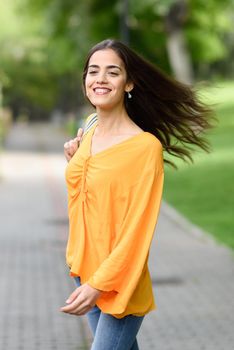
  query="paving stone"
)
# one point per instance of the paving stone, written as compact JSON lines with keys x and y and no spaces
{"x":194,"y":288}
{"x":192,"y":275}
{"x":34,"y":279}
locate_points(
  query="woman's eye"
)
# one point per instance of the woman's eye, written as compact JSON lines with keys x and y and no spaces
{"x":92,"y":72}
{"x":113,"y":73}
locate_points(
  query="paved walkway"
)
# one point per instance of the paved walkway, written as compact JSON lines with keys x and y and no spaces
{"x":193,"y":276}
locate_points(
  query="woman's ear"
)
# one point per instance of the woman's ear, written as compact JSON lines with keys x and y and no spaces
{"x":129,"y":87}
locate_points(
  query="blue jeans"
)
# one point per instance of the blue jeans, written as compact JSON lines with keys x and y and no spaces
{"x":111,"y":333}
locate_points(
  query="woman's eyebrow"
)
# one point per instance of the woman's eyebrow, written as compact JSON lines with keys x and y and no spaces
{"x":93,"y":66}
{"x":111,"y":66}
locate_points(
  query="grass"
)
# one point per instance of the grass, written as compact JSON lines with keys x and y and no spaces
{"x":204,"y":191}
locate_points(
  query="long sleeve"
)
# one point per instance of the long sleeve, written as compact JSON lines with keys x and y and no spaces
{"x":121,"y":270}
{"x":112,"y":223}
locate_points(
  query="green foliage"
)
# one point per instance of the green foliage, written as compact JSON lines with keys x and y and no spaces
{"x":24,"y":74}
{"x":204,"y":190}
{"x":43,"y":43}
{"x":211,"y":48}
{"x":208,"y":23}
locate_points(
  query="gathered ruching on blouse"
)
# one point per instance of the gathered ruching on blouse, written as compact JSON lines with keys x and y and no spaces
{"x":83,"y":181}
{"x":113,"y":202}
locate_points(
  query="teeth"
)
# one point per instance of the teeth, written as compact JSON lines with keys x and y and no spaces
{"x":101,"y":91}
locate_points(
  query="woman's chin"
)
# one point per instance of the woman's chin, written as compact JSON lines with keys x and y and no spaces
{"x":101,"y":104}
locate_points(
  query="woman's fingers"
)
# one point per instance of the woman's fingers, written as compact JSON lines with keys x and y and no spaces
{"x":66,"y":149}
{"x":71,"y":146}
{"x":80,"y":133}
{"x":81,"y":300}
{"x":70,"y":308}
{"x":77,"y":306}
{"x":78,"y":311}
{"x":73,"y":301}
{"x":81,"y":310}
{"x":73,"y":295}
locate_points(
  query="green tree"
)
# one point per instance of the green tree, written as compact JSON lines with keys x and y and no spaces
{"x":183,"y":36}
{"x":43,"y":48}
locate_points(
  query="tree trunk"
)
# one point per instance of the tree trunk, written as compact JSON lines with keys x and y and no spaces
{"x":176,"y":44}
{"x":179,"y":57}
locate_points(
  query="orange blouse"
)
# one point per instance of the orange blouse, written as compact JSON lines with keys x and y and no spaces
{"x":113,"y":203}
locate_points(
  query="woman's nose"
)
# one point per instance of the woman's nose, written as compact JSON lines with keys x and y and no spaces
{"x":101,"y":78}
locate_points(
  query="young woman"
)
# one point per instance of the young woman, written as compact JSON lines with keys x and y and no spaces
{"x":115,"y":182}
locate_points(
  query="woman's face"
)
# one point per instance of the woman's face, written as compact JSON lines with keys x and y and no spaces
{"x":106,"y":79}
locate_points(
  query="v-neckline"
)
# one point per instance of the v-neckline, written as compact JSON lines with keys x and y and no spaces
{"x":110,"y":147}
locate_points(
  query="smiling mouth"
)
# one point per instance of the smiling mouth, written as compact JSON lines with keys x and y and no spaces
{"x":101,"y":91}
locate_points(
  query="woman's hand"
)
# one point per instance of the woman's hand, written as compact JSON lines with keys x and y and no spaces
{"x":71,"y":146}
{"x":81,"y":300}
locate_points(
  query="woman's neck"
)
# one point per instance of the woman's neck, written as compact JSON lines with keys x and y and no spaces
{"x":112,"y":122}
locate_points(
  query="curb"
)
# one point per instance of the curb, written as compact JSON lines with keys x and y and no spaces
{"x":190,"y":228}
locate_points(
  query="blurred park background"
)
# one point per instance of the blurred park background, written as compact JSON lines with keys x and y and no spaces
{"x":43,"y":45}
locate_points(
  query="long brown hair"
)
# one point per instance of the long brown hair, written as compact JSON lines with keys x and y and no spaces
{"x":161,"y":105}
